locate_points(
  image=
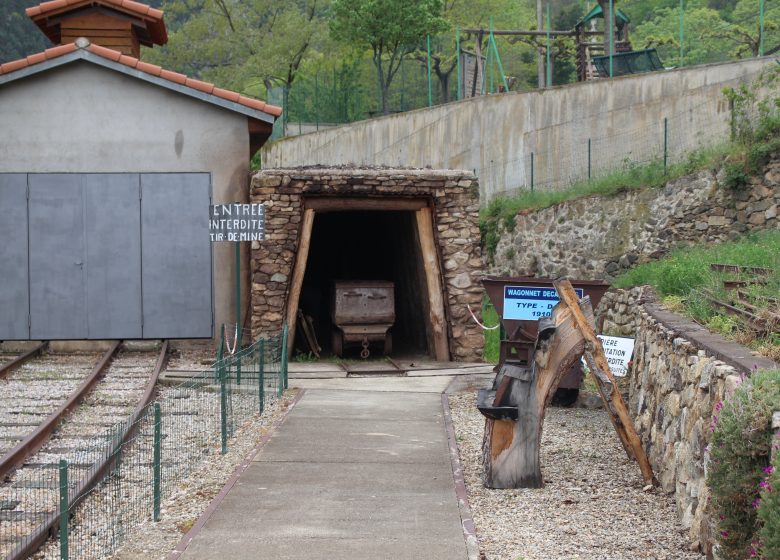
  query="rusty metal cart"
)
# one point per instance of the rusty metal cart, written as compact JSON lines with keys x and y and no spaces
{"x":518,"y":345}
{"x":363,"y":312}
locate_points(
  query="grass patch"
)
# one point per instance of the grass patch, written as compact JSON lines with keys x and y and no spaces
{"x":682,"y":278}
{"x":493,"y":337}
{"x":500,"y":212}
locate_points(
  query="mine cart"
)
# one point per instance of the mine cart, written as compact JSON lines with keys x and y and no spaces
{"x":521,"y":325}
{"x":363,"y":312}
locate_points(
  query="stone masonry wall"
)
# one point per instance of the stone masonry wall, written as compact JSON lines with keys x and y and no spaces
{"x":674,"y":387}
{"x":598,"y":237}
{"x":455,"y":201}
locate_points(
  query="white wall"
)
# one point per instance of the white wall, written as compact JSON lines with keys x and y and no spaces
{"x":495,"y":135}
{"x":87,"y":119}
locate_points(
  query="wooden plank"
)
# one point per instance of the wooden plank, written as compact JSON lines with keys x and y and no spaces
{"x":297,"y":278}
{"x":613,"y":400}
{"x":96,"y":20}
{"x":365,"y":204}
{"x":433,"y":282}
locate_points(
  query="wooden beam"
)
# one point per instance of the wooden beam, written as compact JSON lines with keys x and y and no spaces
{"x":430,"y":258}
{"x":304,"y":241}
{"x":342,"y":204}
{"x":613,"y":400}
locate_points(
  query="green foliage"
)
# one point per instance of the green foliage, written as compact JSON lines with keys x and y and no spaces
{"x":492,"y":337}
{"x":739,"y":453}
{"x":769,"y":511}
{"x":501,"y":210}
{"x":20,"y":36}
{"x":734,"y":176}
{"x":687,"y":268}
{"x":391,"y":29}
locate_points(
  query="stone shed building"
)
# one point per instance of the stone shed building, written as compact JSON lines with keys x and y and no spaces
{"x":417,"y":228}
{"x":108,"y":165}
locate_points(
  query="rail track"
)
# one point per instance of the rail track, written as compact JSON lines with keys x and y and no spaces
{"x":64,"y":407}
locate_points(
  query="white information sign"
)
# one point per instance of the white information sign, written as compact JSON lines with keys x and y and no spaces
{"x":618,"y":351}
{"x":529,"y":303}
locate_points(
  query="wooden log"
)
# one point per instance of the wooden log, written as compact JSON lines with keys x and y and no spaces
{"x":511,"y":448}
{"x":297,"y":277}
{"x":613,"y":400}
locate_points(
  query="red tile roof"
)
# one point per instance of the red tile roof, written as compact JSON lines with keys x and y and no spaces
{"x":152,"y":16}
{"x":152,"y":69}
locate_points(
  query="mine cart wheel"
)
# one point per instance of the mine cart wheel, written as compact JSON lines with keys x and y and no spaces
{"x":388,"y":344}
{"x":338,"y":342}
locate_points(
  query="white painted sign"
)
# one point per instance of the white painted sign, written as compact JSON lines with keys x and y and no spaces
{"x":618,"y":351}
{"x":237,"y":222}
{"x":529,"y":303}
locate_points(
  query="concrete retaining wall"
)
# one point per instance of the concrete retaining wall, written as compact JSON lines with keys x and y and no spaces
{"x":495,"y":135}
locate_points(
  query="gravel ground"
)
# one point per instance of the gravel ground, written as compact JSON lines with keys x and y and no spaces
{"x":189,"y":500}
{"x":592,"y":506}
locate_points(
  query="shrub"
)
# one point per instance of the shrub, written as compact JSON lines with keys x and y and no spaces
{"x":739,"y":454}
{"x":769,"y":512}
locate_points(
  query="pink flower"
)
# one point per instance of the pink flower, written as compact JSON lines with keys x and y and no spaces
{"x":769,"y":470}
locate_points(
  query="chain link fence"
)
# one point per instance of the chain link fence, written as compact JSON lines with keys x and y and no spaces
{"x":118,"y":476}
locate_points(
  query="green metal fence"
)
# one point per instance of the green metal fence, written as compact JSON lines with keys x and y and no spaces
{"x":149,"y":456}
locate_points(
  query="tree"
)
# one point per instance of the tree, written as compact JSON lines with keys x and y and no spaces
{"x":241,"y":44}
{"x":20,"y":35}
{"x":390,"y":28}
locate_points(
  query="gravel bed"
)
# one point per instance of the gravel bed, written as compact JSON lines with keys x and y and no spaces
{"x":185,"y":502}
{"x":592,"y":506}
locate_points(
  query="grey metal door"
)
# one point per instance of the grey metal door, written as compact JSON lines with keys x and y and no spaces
{"x":112,"y":210}
{"x":176,"y":261}
{"x":14,"y":295}
{"x":57,"y":294}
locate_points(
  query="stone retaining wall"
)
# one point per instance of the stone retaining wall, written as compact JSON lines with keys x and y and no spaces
{"x":453,"y":196}
{"x":674,"y":387}
{"x":598,"y":237}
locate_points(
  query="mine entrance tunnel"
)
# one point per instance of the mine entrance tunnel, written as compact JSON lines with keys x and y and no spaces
{"x":368,"y":246}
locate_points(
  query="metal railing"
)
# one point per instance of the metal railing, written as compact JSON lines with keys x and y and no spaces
{"x":145,"y":458}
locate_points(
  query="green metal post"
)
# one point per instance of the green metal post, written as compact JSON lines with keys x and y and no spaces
{"x":589,"y":160}
{"x":682,"y":32}
{"x":666,"y":143}
{"x":611,"y":25}
{"x":532,"y":172}
{"x":156,"y":459}
{"x":223,"y":404}
{"x":238,"y":309}
{"x":430,"y":90}
{"x":63,"y":509}
{"x":549,"y":49}
{"x":284,"y":354}
{"x":317,"y":99}
{"x":261,"y":373}
{"x":457,"y":47}
{"x":498,"y":62}
{"x":761,"y":28}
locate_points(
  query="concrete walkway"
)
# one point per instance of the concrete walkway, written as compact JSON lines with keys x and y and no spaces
{"x":350,"y":474}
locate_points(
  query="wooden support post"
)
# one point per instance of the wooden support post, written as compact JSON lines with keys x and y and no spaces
{"x":297,"y":276}
{"x":511,"y":446}
{"x":430,"y":258}
{"x":613,"y":400}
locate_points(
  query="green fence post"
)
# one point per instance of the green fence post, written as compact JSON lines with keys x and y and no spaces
{"x":589,"y":161}
{"x":261,"y":373}
{"x":682,"y":31}
{"x":430,"y":90}
{"x":156,"y":459}
{"x":761,"y":28}
{"x":548,"y":48}
{"x":666,"y":143}
{"x":223,"y":404}
{"x":457,"y":46}
{"x":532,"y":172}
{"x":284,"y":355}
{"x":611,"y":25}
{"x":63,"y":509}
